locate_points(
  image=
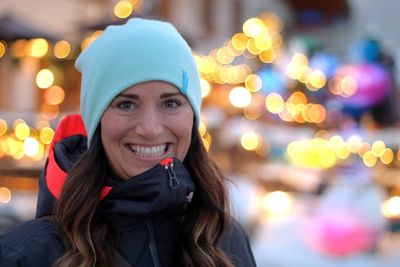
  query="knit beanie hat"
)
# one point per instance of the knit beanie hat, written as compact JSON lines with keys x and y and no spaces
{"x":140,"y":50}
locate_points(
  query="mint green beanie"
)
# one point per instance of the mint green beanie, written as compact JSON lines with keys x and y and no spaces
{"x":140,"y":50}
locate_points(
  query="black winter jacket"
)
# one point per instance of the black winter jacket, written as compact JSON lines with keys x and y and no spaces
{"x":145,"y":212}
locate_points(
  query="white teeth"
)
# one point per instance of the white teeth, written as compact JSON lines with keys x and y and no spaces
{"x":148,"y":152}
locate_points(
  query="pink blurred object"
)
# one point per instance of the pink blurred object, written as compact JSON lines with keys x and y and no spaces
{"x":339,"y":234}
{"x":373,"y":84}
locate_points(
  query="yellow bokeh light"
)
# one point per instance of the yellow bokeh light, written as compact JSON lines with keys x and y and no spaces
{"x":311,"y":153}
{"x":263,"y":41}
{"x":206,"y":144}
{"x":240,"y":97}
{"x":267,"y":56}
{"x":123,"y":9}
{"x":39,"y":155}
{"x":253,"y":83}
{"x":299,"y":59}
{"x":274,"y":103}
{"x":38,"y":47}
{"x":317,"y":113}
{"x":378,"y":148}
{"x":207,"y":65}
{"x":250,"y":140}
{"x":343,"y":152}
{"x":205,"y":88}
{"x":5,"y":195}
{"x":336,"y":143}
{"x":31,"y":146}
{"x":225,"y":55}
{"x":252,"y":48}
{"x":3,"y":48}
{"x":22,"y":131}
{"x":391,"y":207}
{"x":202,"y":128}
{"x":297,"y":71}
{"x":298,"y":98}
{"x":253,"y":27}
{"x":62,"y":49}
{"x":46,"y":135}
{"x":44,"y":78}
{"x":317,"y":79}
{"x":277,"y":203}
{"x":54,"y":95}
{"x":369,"y":159}
{"x":387,"y":156}
{"x":239,"y":41}
{"x":3,"y":127}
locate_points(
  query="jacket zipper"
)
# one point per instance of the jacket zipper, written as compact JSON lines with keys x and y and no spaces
{"x":152,"y":243}
{"x":173,"y":180}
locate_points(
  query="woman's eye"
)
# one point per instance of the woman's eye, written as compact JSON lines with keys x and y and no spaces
{"x":172,"y":103}
{"x":126,"y":105}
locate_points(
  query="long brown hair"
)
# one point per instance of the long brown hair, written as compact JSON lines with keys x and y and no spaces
{"x":86,"y":235}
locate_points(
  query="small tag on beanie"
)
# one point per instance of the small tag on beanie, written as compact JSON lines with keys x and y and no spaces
{"x":185,"y":83}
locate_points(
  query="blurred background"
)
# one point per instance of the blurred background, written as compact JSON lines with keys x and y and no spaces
{"x":300,"y":109}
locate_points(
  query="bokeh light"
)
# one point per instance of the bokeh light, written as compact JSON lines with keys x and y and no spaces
{"x":31,"y":146}
{"x":22,"y":131}
{"x":253,"y":83}
{"x":46,"y":135}
{"x":44,"y":78}
{"x":38,"y":47}
{"x":387,"y":156}
{"x":123,"y":9}
{"x":274,"y":103}
{"x":250,"y":140}
{"x":378,"y":148}
{"x":62,"y":49}
{"x":5,"y":195}
{"x":3,"y":48}
{"x":3,"y":127}
{"x":391,"y":207}
{"x":277,"y":204}
{"x":54,"y":95}
{"x":316,"y":79}
{"x":253,"y":27}
{"x":369,"y":159}
{"x":239,"y":41}
{"x":240,"y":97}
{"x":205,"y":88}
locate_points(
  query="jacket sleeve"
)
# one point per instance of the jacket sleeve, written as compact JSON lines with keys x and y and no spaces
{"x":237,"y":247}
{"x":33,"y":243}
{"x":9,"y":257}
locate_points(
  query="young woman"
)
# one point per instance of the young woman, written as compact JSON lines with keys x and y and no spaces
{"x":129,"y":183}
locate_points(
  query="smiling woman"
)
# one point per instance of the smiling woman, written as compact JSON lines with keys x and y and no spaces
{"x":145,"y":124}
{"x":129,"y":182}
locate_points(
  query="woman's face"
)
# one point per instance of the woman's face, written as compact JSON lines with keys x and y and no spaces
{"x":145,"y":124}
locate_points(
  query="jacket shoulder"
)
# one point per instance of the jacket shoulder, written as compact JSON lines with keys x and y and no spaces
{"x":32,"y":243}
{"x":235,"y":244}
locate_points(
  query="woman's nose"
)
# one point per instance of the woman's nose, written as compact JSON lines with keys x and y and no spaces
{"x":149,"y":124}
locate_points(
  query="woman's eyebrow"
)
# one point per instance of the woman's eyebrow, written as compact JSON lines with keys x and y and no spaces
{"x":135,"y":96}
{"x":166,"y":95}
{"x":128,"y":95}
